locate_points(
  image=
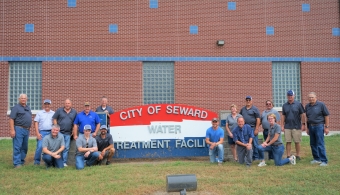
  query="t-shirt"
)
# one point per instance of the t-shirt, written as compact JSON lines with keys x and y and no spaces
{"x":53,"y":144}
{"x":104,"y":143}
{"x":82,"y":142}
{"x":264,"y":121}
{"x":214,"y":135}
{"x":250,"y":115}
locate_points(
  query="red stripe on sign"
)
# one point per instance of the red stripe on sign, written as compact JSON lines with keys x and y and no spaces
{"x":144,"y":115}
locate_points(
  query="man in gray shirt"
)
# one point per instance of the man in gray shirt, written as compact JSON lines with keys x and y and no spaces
{"x":86,"y":149}
{"x":53,"y":145}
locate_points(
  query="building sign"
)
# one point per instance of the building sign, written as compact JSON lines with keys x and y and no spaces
{"x":160,"y":131}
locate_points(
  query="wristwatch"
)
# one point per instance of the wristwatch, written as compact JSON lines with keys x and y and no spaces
{"x":326,"y":126}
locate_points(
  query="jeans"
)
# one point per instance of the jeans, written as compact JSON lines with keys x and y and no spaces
{"x":265,"y":135}
{"x":37,"y":155}
{"x":244,"y":155}
{"x":317,"y":143}
{"x":91,"y":159}
{"x":51,"y":161}
{"x":67,"y":140}
{"x":256,"y":154}
{"x":277,"y":152}
{"x":217,"y":151}
{"x":20,"y":145}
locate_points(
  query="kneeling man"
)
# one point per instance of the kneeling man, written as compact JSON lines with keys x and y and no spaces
{"x":105,"y":146}
{"x":243,"y":137}
{"x":214,"y":138}
{"x":86,"y":149}
{"x":53,"y":145}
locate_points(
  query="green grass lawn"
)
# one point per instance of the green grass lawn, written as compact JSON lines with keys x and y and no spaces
{"x":145,"y":177}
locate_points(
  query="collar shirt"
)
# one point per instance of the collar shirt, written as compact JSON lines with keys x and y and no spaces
{"x":264,"y":121}
{"x":53,"y":144}
{"x":44,"y":119}
{"x":243,"y":134}
{"x":83,"y":119}
{"x":316,"y":113}
{"x":292,"y":113}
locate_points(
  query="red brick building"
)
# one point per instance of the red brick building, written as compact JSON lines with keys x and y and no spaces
{"x":84,"y":50}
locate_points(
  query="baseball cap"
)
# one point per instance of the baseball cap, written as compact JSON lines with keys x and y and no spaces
{"x":214,"y":119}
{"x":103,"y":127}
{"x":87,"y":127}
{"x":290,"y":93}
{"x":87,"y":104}
{"x":47,"y":101}
{"x":249,"y":97}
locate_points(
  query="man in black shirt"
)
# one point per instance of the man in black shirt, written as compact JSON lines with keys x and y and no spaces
{"x":105,"y":146}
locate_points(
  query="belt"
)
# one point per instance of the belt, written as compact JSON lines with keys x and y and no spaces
{"x":27,"y":128}
{"x":315,"y":124}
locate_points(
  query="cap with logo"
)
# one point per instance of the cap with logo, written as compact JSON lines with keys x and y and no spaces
{"x":249,"y":97}
{"x":214,"y":119}
{"x":47,"y":101}
{"x":87,"y":104}
{"x":290,"y":93}
{"x":87,"y":127}
{"x":103,"y":127}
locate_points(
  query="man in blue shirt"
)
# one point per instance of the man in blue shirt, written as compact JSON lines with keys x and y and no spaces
{"x":251,"y":115}
{"x":243,"y":137}
{"x":86,"y":117}
{"x":20,"y":121}
{"x":107,"y":109}
{"x":43,"y":126}
{"x":293,"y":123}
{"x":214,"y":139}
{"x":318,"y":124}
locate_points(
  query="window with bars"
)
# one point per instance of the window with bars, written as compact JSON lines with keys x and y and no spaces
{"x":25,"y":77}
{"x":285,"y":76}
{"x":158,"y":82}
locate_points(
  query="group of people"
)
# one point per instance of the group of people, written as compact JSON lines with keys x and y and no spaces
{"x":243,"y":128}
{"x":54,"y":131}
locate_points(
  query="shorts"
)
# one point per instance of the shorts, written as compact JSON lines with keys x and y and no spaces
{"x":230,"y":141}
{"x":293,"y":134}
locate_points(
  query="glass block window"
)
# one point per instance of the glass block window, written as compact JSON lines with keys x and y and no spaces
{"x":231,"y":5}
{"x":193,"y":30}
{"x":113,"y":28}
{"x":270,"y":30}
{"x":285,"y":76}
{"x":71,"y":3}
{"x":158,"y":82}
{"x":25,"y":77}
{"x":153,"y":4}
{"x":306,"y":7}
{"x":29,"y":27}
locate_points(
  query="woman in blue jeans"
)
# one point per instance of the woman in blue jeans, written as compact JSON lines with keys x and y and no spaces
{"x":274,"y":144}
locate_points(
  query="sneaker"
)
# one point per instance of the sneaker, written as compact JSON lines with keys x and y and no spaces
{"x":315,"y":162}
{"x":292,"y":160}
{"x":298,"y":158}
{"x":323,"y":164}
{"x":262,"y":164}
{"x":65,"y":165}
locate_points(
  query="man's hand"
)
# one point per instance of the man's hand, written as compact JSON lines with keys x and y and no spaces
{"x":87,"y":154}
{"x":12,"y":133}
{"x":256,"y":131}
{"x":249,"y":146}
{"x":39,"y":136}
{"x":75,"y":137}
{"x":212,"y":146}
{"x":326,"y":131}
{"x":94,"y":134}
{"x":231,"y":135}
{"x":264,"y":144}
{"x":282,"y":128}
{"x":100,"y":157}
{"x":303,"y":127}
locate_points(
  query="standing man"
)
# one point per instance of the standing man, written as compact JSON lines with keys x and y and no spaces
{"x":87,"y":117}
{"x":243,"y":137}
{"x":251,"y":115}
{"x":43,"y":126}
{"x":105,"y":108}
{"x":53,"y":145}
{"x":293,"y":123}
{"x":64,"y":117}
{"x":86,"y":149}
{"x":318,"y":124}
{"x":265,"y":123}
{"x":105,"y":145}
{"x":20,"y":123}
{"x":214,"y":139}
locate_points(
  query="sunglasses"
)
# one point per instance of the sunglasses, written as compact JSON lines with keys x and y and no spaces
{"x":248,"y":100}
{"x":87,"y":145}
{"x":268,"y":104}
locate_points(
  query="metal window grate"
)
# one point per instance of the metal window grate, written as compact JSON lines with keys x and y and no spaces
{"x":25,"y":77}
{"x":158,"y":82}
{"x":286,"y":76}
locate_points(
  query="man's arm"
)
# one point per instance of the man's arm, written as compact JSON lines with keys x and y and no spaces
{"x":37,"y":133}
{"x":96,"y":130}
{"x":11,"y":128}
{"x":258,"y":122}
{"x":283,"y":118}
{"x":303,"y":121}
{"x":75,"y":131}
{"x":55,"y":122}
{"x":326,"y":130}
